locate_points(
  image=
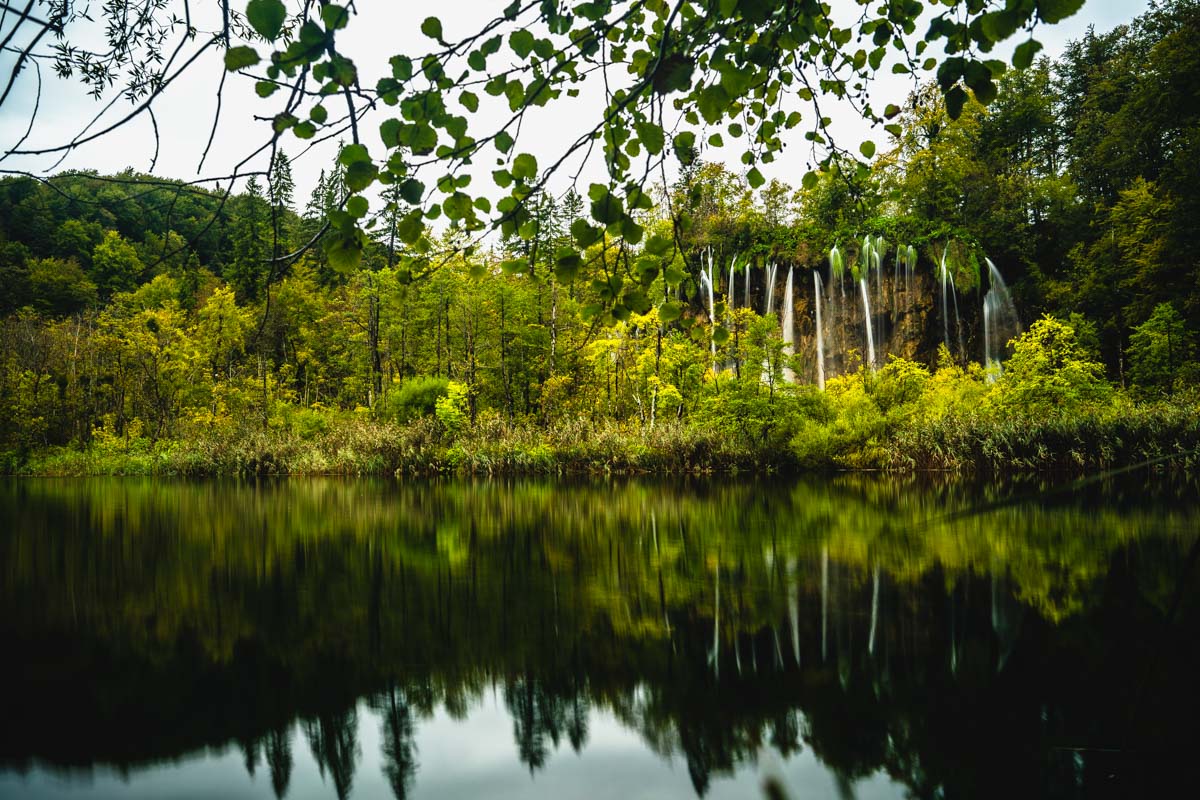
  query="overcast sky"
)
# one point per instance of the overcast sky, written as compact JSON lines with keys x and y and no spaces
{"x":381,"y":29}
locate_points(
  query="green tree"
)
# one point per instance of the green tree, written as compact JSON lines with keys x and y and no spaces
{"x":1049,"y":373}
{"x":1161,"y":350}
{"x":115,"y":264}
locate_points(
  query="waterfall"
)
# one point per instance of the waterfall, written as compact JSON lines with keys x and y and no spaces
{"x":770,"y":288}
{"x":820,"y":331}
{"x":789,"y":327}
{"x":962,"y":349}
{"x":837,"y":266}
{"x":877,"y":252}
{"x":867,"y":311}
{"x":945,"y":301}
{"x":747,"y":303}
{"x":706,"y":284}
{"x":729,"y":289}
{"x":1000,"y":321}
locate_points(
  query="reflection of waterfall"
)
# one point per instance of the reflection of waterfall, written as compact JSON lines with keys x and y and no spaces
{"x":874,"y":610}
{"x":1000,"y":322}
{"x":789,"y":328}
{"x":793,"y":604}
{"x":817,"y":290}
{"x":824,"y":603}
{"x":715,"y":657}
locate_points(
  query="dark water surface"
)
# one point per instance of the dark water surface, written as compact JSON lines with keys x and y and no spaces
{"x":847,"y":637}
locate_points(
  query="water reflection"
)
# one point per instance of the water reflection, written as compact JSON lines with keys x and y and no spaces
{"x":740,"y":631}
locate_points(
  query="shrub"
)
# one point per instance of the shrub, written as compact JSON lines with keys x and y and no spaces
{"x":416,"y":397}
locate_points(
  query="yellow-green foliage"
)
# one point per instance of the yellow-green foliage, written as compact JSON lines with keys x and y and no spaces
{"x":1050,"y":373}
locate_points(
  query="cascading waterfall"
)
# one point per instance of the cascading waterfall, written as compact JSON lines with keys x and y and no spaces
{"x":943,"y":273}
{"x":729,"y":289}
{"x":1000,"y":321}
{"x":747,"y":303}
{"x":706,"y":284}
{"x":870,"y":335}
{"x":817,"y":290}
{"x":789,"y":327}
{"x":837,"y":266}
{"x":962,"y":348}
{"x":770,"y":288}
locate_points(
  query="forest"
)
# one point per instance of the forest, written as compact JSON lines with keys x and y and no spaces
{"x":149,"y":326}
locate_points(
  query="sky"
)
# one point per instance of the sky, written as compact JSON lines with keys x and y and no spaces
{"x":184,"y":113}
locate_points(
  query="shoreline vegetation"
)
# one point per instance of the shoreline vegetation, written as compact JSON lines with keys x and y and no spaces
{"x":902,"y":418}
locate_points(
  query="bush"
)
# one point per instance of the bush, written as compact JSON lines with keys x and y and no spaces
{"x":416,"y":397}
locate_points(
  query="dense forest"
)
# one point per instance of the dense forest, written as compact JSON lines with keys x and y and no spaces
{"x":152,"y":326}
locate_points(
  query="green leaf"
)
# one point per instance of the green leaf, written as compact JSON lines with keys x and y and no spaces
{"x":867,"y":148}
{"x":521,"y":42}
{"x":344,"y":249}
{"x":504,"y":141}
{"x":755,"y":178}
{"x":1057,"y":10}
{"x":515,"y":266}
{"x":266,"y":17}
{"x":402,"y":67}
{"x":651,"y":136}
{"x":684,"y":145}
{"x":335,"y":17}
{"x":584,"y":234}
{"x":432,"y":27}
{"x":985,"y":92}
{"x":525,"y":167}
{"x":318,"y":114}
{"x":720,"y":335}
{"x":669,"y":312}
{"x":357,"y":206}
{"x":265,"y":88}
{"x":566,"y":264}
{"x":240,"y":57}
{"x":360,"y":175}
{"x":955,"y":98}
{"x":412,"y":190}
{"x":999,"y":25}
{"x":674,"y":74}
{"x":352,"y":154}
{"x":1025,"y":52}
{"x":659,"y":245}
{"x":389,"y":132}
{"x":809,"y":181}
{"x":470,"y":101}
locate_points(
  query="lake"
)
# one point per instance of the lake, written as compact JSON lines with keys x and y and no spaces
{"x":849,"y":636}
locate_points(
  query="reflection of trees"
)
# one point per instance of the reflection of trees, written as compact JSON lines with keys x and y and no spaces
{"x":560,"y":596}
{"x":333,"y":738}
{"x":537,"y":715}
{"x":279,"y":759}
{"x":399,"y":743}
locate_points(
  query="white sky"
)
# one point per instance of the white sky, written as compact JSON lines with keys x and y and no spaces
{"x":381,"y":29}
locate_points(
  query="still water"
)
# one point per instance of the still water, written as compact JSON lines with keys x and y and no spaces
{"x":845,"y":637}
